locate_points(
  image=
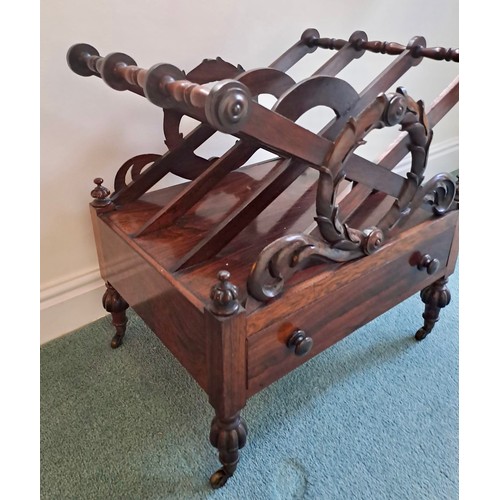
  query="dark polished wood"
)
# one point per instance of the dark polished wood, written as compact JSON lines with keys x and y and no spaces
{"x":300,"y":343}
{"x":399,"y":150}
{"x":224,"y":296}
{"x":435,"y":297}
{"x":246,"y":272}
{"x":114,"y":303}
{"x":228,"y":435}
{"x":390,"y":48}
{"x":342,"y":301}
{"x":100,"y":194}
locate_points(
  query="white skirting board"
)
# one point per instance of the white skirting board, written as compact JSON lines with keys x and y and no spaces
{"x":70,"y":303}
{"x":75,"y":301}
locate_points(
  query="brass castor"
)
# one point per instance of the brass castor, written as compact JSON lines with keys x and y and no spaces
{"x":115,"y":304}
{"x":228,"y":435}
{"x":219,"y":479}
{"x":435,"y":297}
{"x":116,"y":341}
{"x":421,"y":334}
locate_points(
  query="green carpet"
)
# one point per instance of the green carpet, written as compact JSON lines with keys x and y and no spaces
{"x":373,"y":417}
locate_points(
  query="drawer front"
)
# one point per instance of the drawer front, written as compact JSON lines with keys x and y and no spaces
{"x":390,"y":276}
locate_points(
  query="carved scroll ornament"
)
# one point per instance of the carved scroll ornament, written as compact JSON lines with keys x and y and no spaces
{"x":283,"y":257}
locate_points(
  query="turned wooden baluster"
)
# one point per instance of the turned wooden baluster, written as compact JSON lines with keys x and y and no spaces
{"x":181,"y":153}
{"x":227,"y":106}
{"x":390,"y":48}
{"x":85,"y":60}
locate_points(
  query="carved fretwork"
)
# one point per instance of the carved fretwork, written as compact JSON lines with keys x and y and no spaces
{"x":286,"y":255}
{"x":386,"y":110}
{"x":134,"y":166}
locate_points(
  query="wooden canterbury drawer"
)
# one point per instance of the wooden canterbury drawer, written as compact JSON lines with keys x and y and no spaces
{"x":371,"y":286}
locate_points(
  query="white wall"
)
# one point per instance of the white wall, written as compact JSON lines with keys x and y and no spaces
{"x":89,"y":130}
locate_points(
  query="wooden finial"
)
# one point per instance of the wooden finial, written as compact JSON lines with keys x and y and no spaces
{"x":100,"y":194}
{"x":224,"y":295}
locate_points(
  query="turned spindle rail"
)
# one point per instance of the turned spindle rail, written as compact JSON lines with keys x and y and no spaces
{"x":247,"y":271}
{"x":390,"y":48}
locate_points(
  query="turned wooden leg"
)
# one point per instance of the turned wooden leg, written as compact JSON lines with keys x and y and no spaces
{"x":228,"y":435}
{"x":435,"y":297}
{"x":115,"y":304}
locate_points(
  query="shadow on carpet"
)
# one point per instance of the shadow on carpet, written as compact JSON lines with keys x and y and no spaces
{"x":373,"y":417}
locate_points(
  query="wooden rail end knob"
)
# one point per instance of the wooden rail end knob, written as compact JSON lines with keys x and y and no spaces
{"x":309,"y":37}
{"x":227,"y":106}
{"x":77,"y":58}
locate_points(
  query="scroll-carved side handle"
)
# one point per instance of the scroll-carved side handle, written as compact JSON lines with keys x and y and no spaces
{"x":391,"y":48}
{"x":300,"y":343}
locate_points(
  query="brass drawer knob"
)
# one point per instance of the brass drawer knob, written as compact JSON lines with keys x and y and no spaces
{"x":427,"y":262}
{"x":300,"y":342}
